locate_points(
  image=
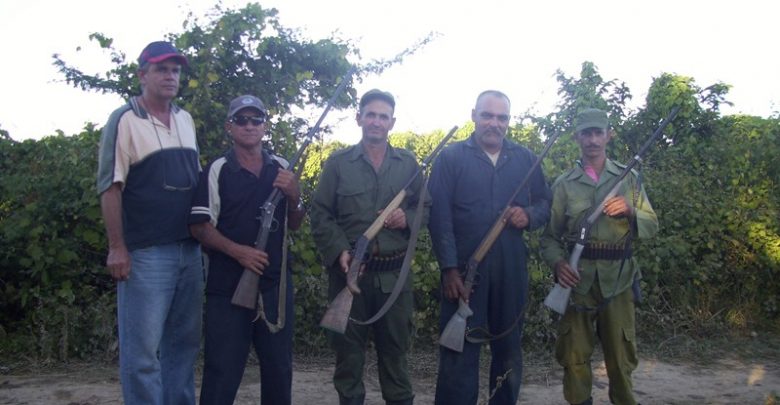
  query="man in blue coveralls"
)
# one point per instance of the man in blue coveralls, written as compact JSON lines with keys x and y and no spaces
{"x":470,"y":185}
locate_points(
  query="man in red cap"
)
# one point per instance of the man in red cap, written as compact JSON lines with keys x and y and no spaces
{"x":147,"y":172}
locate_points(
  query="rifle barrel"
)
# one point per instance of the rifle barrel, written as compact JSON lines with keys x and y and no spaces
{"x":337,"y":315}
{"x":558,"y":298}
{"x":246,"y":291}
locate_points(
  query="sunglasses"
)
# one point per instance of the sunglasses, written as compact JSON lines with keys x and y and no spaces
{"x":243,"y":120}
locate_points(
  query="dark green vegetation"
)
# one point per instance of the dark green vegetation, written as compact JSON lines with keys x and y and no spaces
{"x":713,"y":270}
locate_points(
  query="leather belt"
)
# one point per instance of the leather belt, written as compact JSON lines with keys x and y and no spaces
{"x":605,"y":251}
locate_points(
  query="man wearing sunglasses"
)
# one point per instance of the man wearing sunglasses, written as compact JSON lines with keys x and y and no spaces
{"x":147,"y":170}
{"x":225,"y":218}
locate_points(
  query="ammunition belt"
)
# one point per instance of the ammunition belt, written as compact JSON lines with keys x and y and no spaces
{"x":604,"y":251}
{"x":389,"y":262}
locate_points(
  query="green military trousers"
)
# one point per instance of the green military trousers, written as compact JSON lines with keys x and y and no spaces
{"x":613,"y":325}
{"x":392,"y":337}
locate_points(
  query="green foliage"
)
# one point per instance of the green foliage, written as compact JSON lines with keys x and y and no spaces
{"x":427,"y":291}
{"x":311,"y":291}
{"x":55,"y":289}
{"x":51,"y":273}
{"x":241,"y":51}
{"x":244,"y":51}
{"x":718,"y":253}
{"x":713,"y":181}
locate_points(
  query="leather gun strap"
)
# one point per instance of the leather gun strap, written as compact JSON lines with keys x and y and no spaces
{"x":405,"y":268}
{"x":489,"y":336}
{"x":282,"y":305}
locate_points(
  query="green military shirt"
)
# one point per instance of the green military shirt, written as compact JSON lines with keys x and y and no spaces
{"x":575,"y":195}
{"x":350,"y":194}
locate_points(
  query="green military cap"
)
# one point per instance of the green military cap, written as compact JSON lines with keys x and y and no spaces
{"x":591,"y":118}
{"x":376,"y":94}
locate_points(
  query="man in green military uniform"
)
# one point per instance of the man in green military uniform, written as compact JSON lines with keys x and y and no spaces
{"x":602,"y":298}
{"x":355,"y":185}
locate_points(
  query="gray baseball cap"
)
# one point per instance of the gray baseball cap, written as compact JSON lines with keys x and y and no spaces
{"x":246,"y":101}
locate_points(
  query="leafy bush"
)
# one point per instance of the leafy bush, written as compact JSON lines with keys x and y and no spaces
{"x":713,"y":181}
{"x":56,"y":296}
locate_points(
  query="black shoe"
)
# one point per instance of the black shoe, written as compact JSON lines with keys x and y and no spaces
{"x":588,"y":401}
{"x":352,"y":401}
{"x":409,"y":401}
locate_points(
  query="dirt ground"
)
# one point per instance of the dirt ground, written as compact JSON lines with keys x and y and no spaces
{"x":656,"y":382}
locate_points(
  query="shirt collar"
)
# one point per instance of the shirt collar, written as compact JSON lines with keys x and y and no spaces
{"x":613,"y":168}
{"x":609,"y":167}
{"x":234,"y":165}
{"x":506,"y":144}
{"x":140,"y":112}
{"x":358,"y":152}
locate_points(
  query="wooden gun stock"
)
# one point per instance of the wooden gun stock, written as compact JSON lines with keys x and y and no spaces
{"x":337,"y":315}
{"x":246,"y":292}
{"x":454,"y":333}
{"x":558,"y":298}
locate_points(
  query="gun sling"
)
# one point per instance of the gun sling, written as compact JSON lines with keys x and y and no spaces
{"x":336,"y":316}
{"x":559,"y":297}
{"x":448,"y":338}
{"x":406,"y":262}
{"x":246,"y":293}
{"x":282,"y":305}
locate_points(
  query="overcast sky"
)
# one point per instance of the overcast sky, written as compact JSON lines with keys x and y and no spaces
{"x":513,"y":46}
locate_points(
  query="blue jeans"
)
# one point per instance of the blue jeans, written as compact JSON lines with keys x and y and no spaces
{"x":159,"y":311}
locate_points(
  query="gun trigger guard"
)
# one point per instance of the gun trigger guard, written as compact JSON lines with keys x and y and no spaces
{"x":364,"y":259}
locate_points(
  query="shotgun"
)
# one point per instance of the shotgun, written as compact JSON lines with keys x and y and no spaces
{"x":245,"y":294}
{"x":455,"y":331}
{"x":336,"y":316}
{"x":558,"y":298}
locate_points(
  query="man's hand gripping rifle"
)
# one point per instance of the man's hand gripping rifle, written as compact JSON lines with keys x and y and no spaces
{"x":454,"y":333}
{"x":558,"y":298}
{"x":336,"y":317}
{"x":246,"y":292}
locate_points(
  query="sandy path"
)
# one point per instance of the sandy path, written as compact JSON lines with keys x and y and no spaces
{"x":656,"y":382}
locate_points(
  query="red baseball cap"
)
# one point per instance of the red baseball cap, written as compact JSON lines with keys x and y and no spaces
{"x":159,"y":51}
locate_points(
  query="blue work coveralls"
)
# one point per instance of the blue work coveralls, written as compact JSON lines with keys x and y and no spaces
{"x":469,"y":193}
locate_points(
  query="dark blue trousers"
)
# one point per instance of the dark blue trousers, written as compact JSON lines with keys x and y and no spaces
{"x":229,"y":333}
{"x":496,"y":302}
